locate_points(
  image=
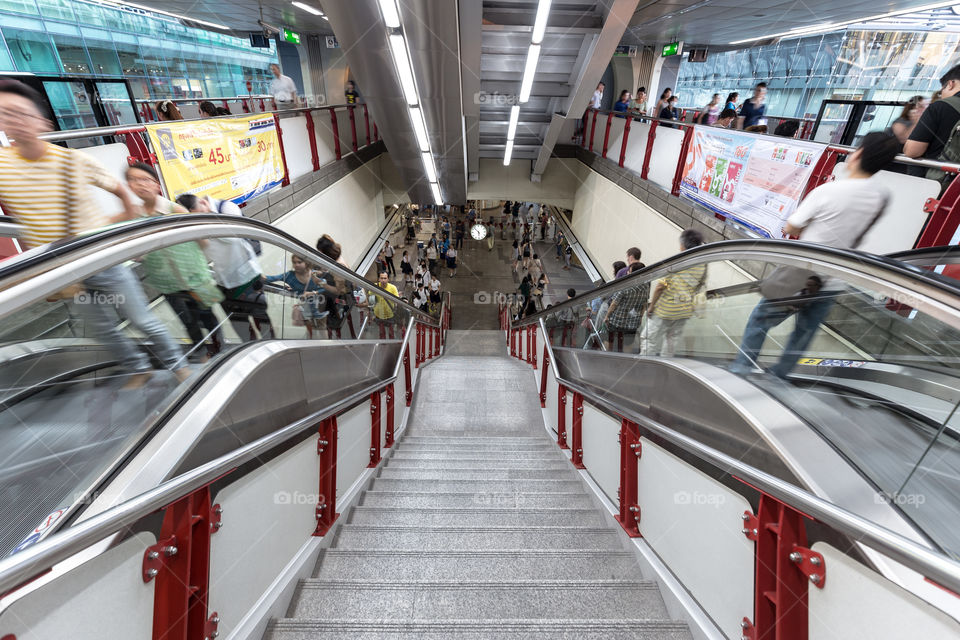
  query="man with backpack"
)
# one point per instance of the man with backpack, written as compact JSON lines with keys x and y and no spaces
{"x":934,"y":137}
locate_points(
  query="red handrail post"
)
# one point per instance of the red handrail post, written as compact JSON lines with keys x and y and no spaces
{"x":651,"y":136}
{"x":336,"y":133}
{"x":606,"y":134}
{"x":823,"y":170}
{"x":562,"y":417}
{"x":327,"y":450}
{"x":593,"y":128}
{"x":529,"y":344}
{"x":366,"y":121}
{"x":533,"y":346}
{"x":543,"y":377}
{"x":283,"y":155}
{"x":407,"y":375}
{"x":353,"y":127}
{"x":576,"y":432}
{"x":682,"y":162}
{"x":942,"y":222}
{"x":388,"y":438}
{"x":623,"y":141}
{"x":583,"y":129}
{"x":311,"y":132}
{"x":246,"y":105}
{"x":376,"y":132}
{"x":137,"y":146}
{"x":374,"y":429}
{"x":630,"y":450}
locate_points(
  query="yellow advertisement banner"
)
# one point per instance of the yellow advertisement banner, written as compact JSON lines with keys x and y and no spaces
{"x":234,"y":158}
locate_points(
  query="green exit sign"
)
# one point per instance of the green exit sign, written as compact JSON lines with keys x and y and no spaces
{"x":671,"y":49}
{"x":294,"y":37}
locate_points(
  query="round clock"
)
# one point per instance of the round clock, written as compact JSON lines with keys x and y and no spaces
{"x":478,"y":232}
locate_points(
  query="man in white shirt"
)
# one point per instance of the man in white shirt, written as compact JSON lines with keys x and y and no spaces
{"x":837,"y":214}
{"x":283,"y":89}
{"x":597,"y":97}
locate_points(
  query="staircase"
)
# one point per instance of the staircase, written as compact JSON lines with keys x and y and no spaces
{"x":477,"y":527}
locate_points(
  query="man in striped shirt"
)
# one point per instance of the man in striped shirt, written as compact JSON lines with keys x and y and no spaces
{"x":45,"y":187}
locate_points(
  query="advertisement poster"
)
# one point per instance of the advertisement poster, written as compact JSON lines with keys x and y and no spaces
{"x":755,"y":180}
{"x":227,"y":158}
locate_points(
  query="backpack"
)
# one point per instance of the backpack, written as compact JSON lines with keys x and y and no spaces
{"x":951,"y":150}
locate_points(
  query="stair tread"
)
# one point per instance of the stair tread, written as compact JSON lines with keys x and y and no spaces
{"x":323,"y":583}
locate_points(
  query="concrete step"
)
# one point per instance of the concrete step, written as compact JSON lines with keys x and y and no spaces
{"x":377,"y":628}
{"x":557,"y":463}
{"x":466,"y":455}
{"x":470,"y":431}
{"x":467,"y":440}
{"x":571,"y":599}
{"x":480,"y":486}
{"x":474,"y":499}
{"x":364,"y":536}
{"x":476,"y":566}
{"x":538,"y":445}
{"x":418,"y":473}
{"x":476,"y":517}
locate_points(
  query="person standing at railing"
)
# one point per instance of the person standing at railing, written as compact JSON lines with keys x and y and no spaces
{"x":638,"y":106}
{"x":623,"y":103}
{"x":711,"y":112}
{"x":283,"y":89}
{"x":351,"y":95}
{"x":597,"y":98}
{"x":726,"y":119}
{"x":46,"y":187}
{"x":167,"y":110}
{"x":934,"y":131}
{"x":731,"y":102}
{"x":670,"y":112}
{"x":672,"y":303}
{"x":753,"y":112}
{"x":663,"y":101}
{"x":837,"y":214}
{"x":208,"y":109}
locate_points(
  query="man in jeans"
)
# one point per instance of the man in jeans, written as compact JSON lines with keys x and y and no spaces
{"x":837,"y":214}
{"x":45,"y":187}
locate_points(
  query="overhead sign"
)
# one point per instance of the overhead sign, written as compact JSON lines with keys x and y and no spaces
{"x":626,"y":50}
{"x":332,"y":42}
{"x":234,"y":158}
{"x":291,"y":36}
{"x":672,"y":49}
{"x":755,"y":180}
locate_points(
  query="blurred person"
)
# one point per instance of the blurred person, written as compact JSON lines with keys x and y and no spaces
{"x":726,"y":119}
{"x":515,"y":255}
{"x":46,"y":188}
{"x":597,"y":98}
{"x":625,"y":312}
{"x":670,"y":112}
{"x":567,"y":257}
{"x":351,"y":95}
{"x":306,"y":286}
{"x":672,"y":303}
{"x":639,"y":104}
{"x":432,"y":256}
{"x":343,"y":288}
{"x":167,"y":110}
{"x":282,"y":88}
{"x":223,"y":111}
{"x":753,"y":111}
{"x":663,"y":101}
{"x":903,"y":126}
{"x":757,"y":128}
{"x":490,"y":232}
{"x":633,"y":256}
{"x":787,"y":129}
{"x":208,"y":109}
{"x":623,"y":102}
{"x":406,"y":269}
{"x":388,"y":252}
{"x":837,"y":214}
{"x":568,"y":322}
{"x":731,"y":101}
{"x":384,"y":308}
{"x":452,"y":260}
{"x":712,"y":111}
{"x":436,"y":297}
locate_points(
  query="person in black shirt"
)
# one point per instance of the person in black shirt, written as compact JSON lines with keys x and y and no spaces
{"x":932,"y":131}
{"x":670,"y":112}
{"x":753,"y":111}
{"x":351,"y":93}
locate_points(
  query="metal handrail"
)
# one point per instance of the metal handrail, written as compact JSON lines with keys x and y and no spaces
{"x":900,"y":159}
{"x":945,"y":291}
{"x":98,"y":246}
{"x":934,"y":565}
{"x":31,"y":562}
{"x":249,"y":96}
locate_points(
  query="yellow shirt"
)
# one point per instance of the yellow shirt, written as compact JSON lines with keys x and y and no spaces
{"x":38,"y":192}
{"x":383,"y":309}
{"x":676,"y":301}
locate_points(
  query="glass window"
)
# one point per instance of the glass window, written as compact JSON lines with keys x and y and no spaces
{"x":73,"y":55}
{"x":57,"y":9}
{"x":19,"y":6}
{"x":6,"y":62}
{"x":104,"y":58}
{"x":130,"y":61}
{"x":31,"y":51}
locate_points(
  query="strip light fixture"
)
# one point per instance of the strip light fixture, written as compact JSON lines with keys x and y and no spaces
{"x":307,"y":8}
{"x":529,"y":71}
{"x":167,"y":13}
{"x":401,"y":60}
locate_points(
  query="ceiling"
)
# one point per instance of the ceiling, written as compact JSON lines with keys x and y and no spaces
{"x":720,"y":22}
{"x":241,"y":16}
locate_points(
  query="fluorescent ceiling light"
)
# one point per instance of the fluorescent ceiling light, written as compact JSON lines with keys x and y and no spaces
{"x":437,"y":196}
{"x":429,"y":167}
{"x":307,"y":8}
{"x":400,"y":59}
{"x":391,"y":17}
{"x":813,"y":29}
{"x":540,"y":23}
{"x":167,"y":13}
{"x":419,"y":128}
{"x":508,"y":153}
{"x":514,"y":116}
{"x":533,"y":56}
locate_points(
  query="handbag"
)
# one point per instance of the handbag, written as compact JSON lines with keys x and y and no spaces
{"x":296,"y":316}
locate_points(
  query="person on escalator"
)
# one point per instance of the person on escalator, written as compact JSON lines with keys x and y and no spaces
{"x":672,"y":303}
{"x":310,"y":308}
{"x":625,"y":312}
{"x":837,"y":214}
{"x":46,"y":188}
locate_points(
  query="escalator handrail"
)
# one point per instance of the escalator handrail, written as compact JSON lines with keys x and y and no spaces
{"x":31,"y":562}
{"x":933,"y":564}
{"x":112,"y":237}
{"x":883,"y":269}
{"x":928,"y":256}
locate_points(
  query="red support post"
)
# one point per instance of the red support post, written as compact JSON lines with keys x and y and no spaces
{"x":562,"y":417}
{"x":630,"y":449}
{"x":529,"y":344}
{"x":366,"y":121}
{"x":823,"y":170}
{"x":311,"y":133}
{"x":376,"y":133}
{"x":353,"y":128}
{"x":583,"y":129}
{"x":374,"y":429}
{"x":682,"y":162}
{"x":246,"y":105}
{"x":407,"y":375}
{"x":180,"y":563}
{"x":283,"y":156}
{"x":543,"y":377}
{"x":651,"y":136}
{"x":436,"y":343}
{"x":606,"y":134}
{"x":784,"y":568}
{"x":593,"y":128}
{"x":336,"y":133}
{"x":327,"y":450}
{"x":942,"y":222}
{"x":576,"y":432}
{"x":263,"y":107}
{"x":623,"y":141}
{"x":418,"y":351}
{"x":137,"y":146}
{"x":388,"y":440}
{"x":533,"y":346}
